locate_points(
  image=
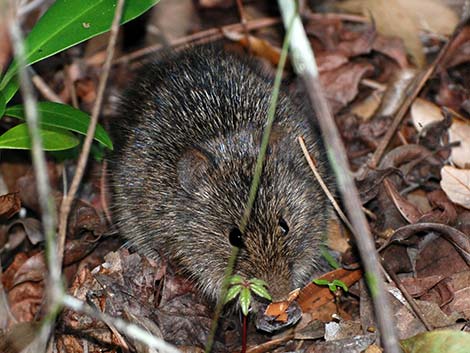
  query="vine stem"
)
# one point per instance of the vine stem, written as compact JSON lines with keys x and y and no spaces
{"x":254,"y":184}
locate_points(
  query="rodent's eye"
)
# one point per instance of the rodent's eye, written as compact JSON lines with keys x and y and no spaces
{"x":235,"y":237}
{"x":283,"y":225}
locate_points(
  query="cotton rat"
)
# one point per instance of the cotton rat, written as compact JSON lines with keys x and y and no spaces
{"x":187,"y":140}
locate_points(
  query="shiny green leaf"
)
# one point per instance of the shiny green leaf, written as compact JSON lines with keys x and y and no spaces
{"x":53,"y":139}
{"x":245,"y":300}
{"x":258,"y":282}
{"x":235,"y":279}
{"x":3,"y":104}
{"x":260,"y":291}
{"x":232,"y":293}
{"x":321,"y":282}
{"x":340,"y":284}
{"x":63,"y":116}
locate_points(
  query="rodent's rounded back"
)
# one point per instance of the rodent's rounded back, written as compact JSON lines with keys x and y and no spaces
{"x":189,"y":135}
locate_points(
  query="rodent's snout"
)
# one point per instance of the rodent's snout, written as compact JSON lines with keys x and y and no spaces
{"x":270,"y":324}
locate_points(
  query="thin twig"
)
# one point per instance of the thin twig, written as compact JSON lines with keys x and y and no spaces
{"x":323,"y":185}
{"x":414,"y":306}
{"x":304,"y":64}
{"x":46,"y":201}
{"x":213,"y":33}
{"x":130,"y":330}
{"x":387,"y":272}
{"x":44,"y":88}
{"x":70,"y":85}
{"x":334,"y":16}
{"x":254,"y":184}
{"x":103,"y":193}
{"x":82,"y":161}
{"x":241,"y":12}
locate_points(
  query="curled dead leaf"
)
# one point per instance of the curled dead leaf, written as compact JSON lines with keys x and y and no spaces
{"x":424,"y":113}
{"x":456,"y":184}
{"x":279,"y":309}
{"x":460,"y":131}
{"x":394,"y":19}
{"x":9,"y":205}
{"x":409,"y":211}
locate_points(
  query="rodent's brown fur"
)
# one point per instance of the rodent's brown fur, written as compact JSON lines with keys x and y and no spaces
{"x":187,"y":140}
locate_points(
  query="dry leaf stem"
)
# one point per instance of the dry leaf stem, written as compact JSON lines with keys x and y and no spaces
{"x":46,"y":201}
{"x":83,"y":159}
{"x":130,"y":330}
{"x":213,"y":33}
{"x":414,"y":306}
{"x":325,"y":189}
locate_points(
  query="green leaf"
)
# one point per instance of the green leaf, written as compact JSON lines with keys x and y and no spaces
{"x":65,"y":117}
{"x":64,"y":155}
{"x":245,"y":300}
{"x":232,"y":293}
{"x":258,"y":282}
{"x":10,"y":89}
{"x":98,"y":152}
{"x":321,"y":282}
{"x":260,"y":291}
{"x":341,"y":284}
{"x":328,"y":257}
{"x":235,"y":279}
{"x":53,"y":139}
{"x":3,"y":104}
{"x":437,"y":342}
{"x":67,"y":23}
{"x":332,"y":287}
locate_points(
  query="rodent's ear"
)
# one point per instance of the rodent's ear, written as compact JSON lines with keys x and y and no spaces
{"x":192,"y":165}
{"x":275,"y":138}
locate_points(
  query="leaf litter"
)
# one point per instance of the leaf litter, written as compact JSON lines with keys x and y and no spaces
{"x":417,"y":200}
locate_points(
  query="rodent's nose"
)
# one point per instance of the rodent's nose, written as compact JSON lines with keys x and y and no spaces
{"x":269,"y":324}
{"x":279,"y":289}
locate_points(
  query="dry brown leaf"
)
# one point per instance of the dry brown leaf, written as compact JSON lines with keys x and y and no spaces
{"x":342,"y":84}
{"x":416,"y":287}
{"x":10,"y":204}
{"x":259,"y":47}
{"x":431,"y":15}
{"x":460,"y":131}
{"x":313,"y":296}
{"x":409,"y":211}
{"x":392,"y":19}
{"x":396,"y":91}
{"x":424,"y":112}
{"x":366,"y":108}
{"x":456,"y":184}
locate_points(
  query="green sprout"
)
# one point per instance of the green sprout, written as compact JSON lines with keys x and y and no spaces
{"x":238,"y":286}
{"x":333,"y":285}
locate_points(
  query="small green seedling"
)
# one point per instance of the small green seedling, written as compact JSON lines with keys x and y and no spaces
{"x":333,"y":285}
{"x":238,"y":286}
{"x":241,"y":287}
